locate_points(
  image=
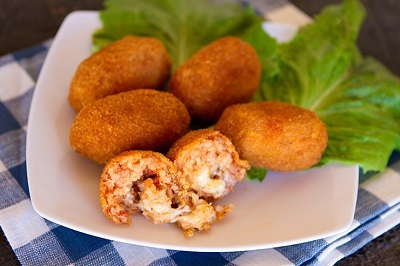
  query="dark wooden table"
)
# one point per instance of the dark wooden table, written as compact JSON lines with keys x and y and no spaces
{"x":24,"y":23}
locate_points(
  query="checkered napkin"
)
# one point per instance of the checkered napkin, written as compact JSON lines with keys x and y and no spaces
{"x":37,"y":241}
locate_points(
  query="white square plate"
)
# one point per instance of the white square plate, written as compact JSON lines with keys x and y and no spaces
{"x":285,"y":209}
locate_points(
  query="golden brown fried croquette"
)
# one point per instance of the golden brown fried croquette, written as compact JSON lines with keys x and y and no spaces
{"x":147,"y":182}
{"x":127,"y":64}
{"x":274,"y":135}
{"x":134,"y":120}
{"x":209,"y":161}
{"x":223,"y":73}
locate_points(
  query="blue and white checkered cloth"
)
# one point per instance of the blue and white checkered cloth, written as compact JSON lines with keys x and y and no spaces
{"x":37,"y":241}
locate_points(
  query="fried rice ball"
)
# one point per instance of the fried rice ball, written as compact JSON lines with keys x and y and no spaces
{"x":148,"y":183}
{"x":141,"y":119}
{"x":225,"y":72}
{"x":274,"y":135}
{"x":127,"y":64}
{"x":209,"y":161}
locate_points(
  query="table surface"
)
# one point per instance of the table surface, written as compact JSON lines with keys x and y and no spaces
{"x":26,"y":23}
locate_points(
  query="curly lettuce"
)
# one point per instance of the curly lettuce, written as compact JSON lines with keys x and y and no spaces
{"x":322,"y":70}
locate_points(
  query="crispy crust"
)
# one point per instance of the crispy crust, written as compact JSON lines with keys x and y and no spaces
{"x":127,"y":64}
{"x":134,"y":120}
{"x":274,"y":135}
{"x":225,"y":72}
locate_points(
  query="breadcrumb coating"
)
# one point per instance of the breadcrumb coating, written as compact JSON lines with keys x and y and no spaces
{"x":127,"y":64}
{"x":225,"y":72}
{"x":141,"y":119}
{"x":274,"y":135}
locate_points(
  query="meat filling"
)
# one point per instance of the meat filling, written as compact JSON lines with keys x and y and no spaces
{"x":140,"y":183}
{"x":210,"y":163}
{"x":147,"y":182}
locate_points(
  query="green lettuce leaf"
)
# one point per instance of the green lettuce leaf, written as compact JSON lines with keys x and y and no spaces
{"x":256,"y":174}
{"x":266,"y":48}
{"x":182,"y":25}
{"x":322,"y":70}
{"x":318,"y":58}
{"x":398,"y":144}
{"x":364,"y":122}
